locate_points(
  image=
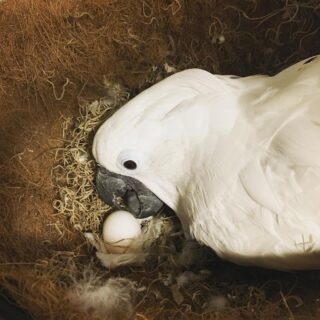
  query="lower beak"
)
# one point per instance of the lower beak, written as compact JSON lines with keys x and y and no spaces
{"x":127,"y":193}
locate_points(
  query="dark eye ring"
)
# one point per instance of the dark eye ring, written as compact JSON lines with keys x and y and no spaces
{"x":130,"y":165}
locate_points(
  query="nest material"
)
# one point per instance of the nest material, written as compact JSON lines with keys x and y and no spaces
{"x":74,"y":173}
{"x":53,"y":53}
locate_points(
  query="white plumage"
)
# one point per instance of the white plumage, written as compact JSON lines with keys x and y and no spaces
{"x":237,"y":159}
{"x":111,"y":299}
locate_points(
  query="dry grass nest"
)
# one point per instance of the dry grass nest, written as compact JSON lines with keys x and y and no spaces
{"x":74,"y":63}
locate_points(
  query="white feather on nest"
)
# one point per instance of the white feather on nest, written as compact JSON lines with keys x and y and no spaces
{"x":114,"y":299}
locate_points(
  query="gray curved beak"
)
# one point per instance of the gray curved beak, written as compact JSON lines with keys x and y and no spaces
{"x":127,"y":193}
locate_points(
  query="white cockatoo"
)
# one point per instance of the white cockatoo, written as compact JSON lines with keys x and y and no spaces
{"x":237,"y":159}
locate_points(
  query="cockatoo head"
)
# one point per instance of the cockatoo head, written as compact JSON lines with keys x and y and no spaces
{"x":148,"y":149}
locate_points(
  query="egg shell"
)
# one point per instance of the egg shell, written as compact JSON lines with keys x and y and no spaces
{"x":119,"y":231}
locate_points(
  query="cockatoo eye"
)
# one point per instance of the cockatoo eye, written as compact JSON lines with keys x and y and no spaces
{"x":131,"y":160}
{"x":130,"y":164}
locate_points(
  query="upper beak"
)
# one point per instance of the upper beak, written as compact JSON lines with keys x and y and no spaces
{"x":125,"y":192}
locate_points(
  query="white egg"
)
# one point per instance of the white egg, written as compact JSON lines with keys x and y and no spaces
{"x":119,"y":231}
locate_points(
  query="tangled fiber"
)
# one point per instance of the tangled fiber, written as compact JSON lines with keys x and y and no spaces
{"x":55,"y":58}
